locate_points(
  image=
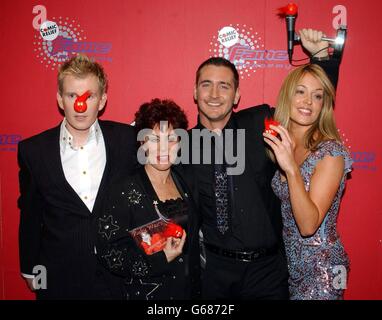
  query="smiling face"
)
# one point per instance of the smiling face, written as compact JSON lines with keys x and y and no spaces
{"x":74,"y":87}
{"x":162,"y":147}
{"x":307,"y":101}
{"x":215,"y":94}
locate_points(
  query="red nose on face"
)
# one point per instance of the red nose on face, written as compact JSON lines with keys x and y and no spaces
{"x":80,"y":105}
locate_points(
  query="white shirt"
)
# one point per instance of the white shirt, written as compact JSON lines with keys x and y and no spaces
{"x":83,"y":166}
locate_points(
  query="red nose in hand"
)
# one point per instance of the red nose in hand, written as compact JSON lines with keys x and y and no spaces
{"x":173,"y":230}
{"x":80,"y":105}
{"x":267,"y":123}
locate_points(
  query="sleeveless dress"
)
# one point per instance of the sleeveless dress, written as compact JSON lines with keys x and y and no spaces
{"x":318,"y":265}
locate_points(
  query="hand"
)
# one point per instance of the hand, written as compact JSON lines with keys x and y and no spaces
{"x":174,"y":247}
{"x":311,"y":41}
{"x":283,"y":149}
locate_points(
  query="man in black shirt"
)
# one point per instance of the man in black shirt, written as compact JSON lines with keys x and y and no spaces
{"x":241,"y":218}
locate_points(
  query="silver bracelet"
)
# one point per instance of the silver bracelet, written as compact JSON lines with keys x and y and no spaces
{"x":321,"y":58}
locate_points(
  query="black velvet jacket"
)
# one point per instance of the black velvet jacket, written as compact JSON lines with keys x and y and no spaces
{"x":147,"y":277}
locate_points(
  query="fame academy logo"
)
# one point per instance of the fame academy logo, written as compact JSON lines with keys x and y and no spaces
{"x":60,"y":38}
{"x":362,"y":160}
{"x":244,"y":47}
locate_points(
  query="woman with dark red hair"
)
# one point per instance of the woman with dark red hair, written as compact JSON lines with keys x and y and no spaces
{"x":148,"y":233}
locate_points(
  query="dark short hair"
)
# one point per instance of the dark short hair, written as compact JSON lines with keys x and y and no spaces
{"x":220,"y":62}
{"x":152,"y":113}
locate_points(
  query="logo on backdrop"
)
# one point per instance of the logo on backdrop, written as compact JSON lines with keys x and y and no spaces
{"x":244,"y":47}
{"x":8,"y":142}
{"x":59,"y":38}
{"x":49,"y":30}
{"x":363,"y":160}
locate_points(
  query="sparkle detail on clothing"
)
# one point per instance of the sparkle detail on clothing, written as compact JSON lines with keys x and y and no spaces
{"x":134,"y":196}
{"x":107,"y":226}
{"x":221,"y":195}
{"x":146,"y":289}
{"x":315,"y":263}
{"x":114,"y":258}
{"x":140,"y":268}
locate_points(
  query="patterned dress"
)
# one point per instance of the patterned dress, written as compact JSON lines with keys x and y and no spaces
{"x":318,"y":265}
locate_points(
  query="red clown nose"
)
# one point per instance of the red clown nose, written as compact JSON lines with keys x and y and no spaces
{"x":173,"y":230}
{"x":290,"y":9}
{"x":80,"y":105}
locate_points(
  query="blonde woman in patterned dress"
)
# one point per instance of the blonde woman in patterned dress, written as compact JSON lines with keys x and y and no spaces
{"x":313,"y":166}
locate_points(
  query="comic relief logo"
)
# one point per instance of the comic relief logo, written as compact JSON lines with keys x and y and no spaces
{"x":60,"y":38}
{"x":244,"y":47}
{"x":228,"y":36}
{"x":49,"y":30}
{"x":362,"y":160}
{"x":8,"y":142}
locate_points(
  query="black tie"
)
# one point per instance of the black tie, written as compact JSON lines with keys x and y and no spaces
{"x":221,"y":196}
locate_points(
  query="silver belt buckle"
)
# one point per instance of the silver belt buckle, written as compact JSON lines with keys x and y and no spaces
{"x":245,"y":259}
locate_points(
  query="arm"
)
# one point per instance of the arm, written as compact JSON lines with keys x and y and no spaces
{"x":31,"y":206}
{"x":311,"y":41}
{"x":309,"y":207}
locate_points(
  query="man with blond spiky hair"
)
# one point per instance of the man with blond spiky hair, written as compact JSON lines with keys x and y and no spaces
{"x":64,"y":173}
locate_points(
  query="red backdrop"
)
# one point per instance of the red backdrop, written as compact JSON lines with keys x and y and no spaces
{"x":152,"y":49}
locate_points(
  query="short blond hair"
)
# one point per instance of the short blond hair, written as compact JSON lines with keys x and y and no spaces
{"x":81,"y":66}
{"x":325,"y":127}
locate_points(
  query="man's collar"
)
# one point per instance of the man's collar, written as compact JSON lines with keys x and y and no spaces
{"x":67,"y":139}
{"x":231,"y":124}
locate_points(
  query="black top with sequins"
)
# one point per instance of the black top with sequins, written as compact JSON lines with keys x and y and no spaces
{"x":133,"y":203}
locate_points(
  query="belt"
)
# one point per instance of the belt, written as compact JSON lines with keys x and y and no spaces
{"x":246,"y":256}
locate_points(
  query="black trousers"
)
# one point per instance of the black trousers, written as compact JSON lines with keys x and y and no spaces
{"x":104,"y":286}
{"x":263,"y":279}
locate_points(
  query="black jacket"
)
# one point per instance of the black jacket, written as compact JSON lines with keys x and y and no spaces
{"x":255,"y":219}
{"x":255,"y":215}
{"x":131,"y":205}
{"x":56,"y":228}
